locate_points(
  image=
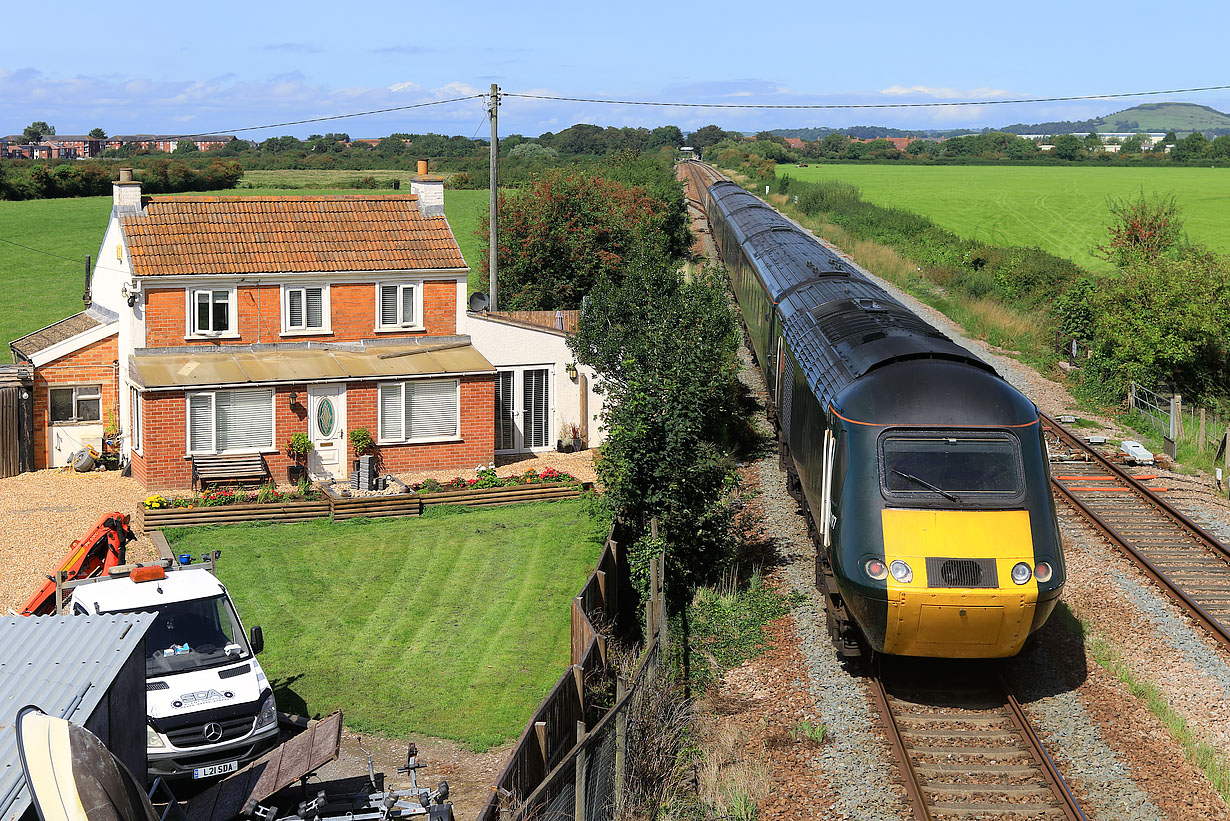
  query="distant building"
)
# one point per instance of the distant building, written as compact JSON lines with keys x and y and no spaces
{"x":795,"y":143}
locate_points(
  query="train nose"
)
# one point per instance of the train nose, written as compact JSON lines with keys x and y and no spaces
{"x":964,"y":597}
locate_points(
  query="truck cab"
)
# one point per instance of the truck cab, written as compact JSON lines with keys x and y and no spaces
{"x":210,"y":707}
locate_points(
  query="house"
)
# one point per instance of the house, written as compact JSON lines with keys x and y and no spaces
{"x":224,"y":325}
{"x":795,"y":143}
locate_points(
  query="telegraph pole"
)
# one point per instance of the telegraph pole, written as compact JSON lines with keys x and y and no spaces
{"x":492,"y":246}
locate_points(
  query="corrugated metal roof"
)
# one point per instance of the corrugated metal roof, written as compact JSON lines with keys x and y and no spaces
{"x":62,"y":664}
{"x":235,"y":366}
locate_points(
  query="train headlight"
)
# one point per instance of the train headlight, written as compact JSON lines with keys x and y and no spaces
{"x":1044,"y":571}
{"x":876,"y":569}
{"x":1021,"y":573}
{"x":901,"y":571}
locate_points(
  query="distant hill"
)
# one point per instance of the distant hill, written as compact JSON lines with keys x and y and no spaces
{"x":1178,"y":117}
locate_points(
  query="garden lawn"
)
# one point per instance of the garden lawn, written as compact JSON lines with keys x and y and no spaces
{"x":39,"y":289}
{"x":453,"y":624}
{"x":1059,"y":209}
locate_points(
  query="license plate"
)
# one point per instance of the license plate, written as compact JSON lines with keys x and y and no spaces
{"x":215,"y":769}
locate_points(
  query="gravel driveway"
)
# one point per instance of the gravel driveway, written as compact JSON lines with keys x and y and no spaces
{"x":45,"y":511}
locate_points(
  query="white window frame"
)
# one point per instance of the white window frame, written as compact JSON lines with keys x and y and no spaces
{"x":134,"y":412}
{"x":273,"y":418}
{"x":401,"y":325}
{"x":382,"y":440}
{"x":325,"y":314}
{"x":192,"y":332}
{"x":91,"y":391}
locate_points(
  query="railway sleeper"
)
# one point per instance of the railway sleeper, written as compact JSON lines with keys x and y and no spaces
{"x":949,"y":810}
{"x":987,"y":789}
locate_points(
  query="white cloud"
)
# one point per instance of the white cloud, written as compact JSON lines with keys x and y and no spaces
{"x":404,"y":86}
{"x":944,"y":93}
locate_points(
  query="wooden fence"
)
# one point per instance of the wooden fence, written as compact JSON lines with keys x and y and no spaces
{"x":568,"y":761}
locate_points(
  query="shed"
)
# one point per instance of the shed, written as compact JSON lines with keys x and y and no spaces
{"x":89,"y":670}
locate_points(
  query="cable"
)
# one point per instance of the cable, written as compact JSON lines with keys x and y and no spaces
{"x":867,"y":105}
{"x":77,"y":261}
{"x":324,"y":119}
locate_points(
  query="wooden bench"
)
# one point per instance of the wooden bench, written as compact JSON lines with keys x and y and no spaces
{"x":229,"y":470}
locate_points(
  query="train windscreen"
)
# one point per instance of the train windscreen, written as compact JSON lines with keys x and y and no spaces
{"x":952,"y":466}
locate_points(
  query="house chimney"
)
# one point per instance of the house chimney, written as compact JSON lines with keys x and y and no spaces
{"x":430,"y":191}
{"x":126,"y":193}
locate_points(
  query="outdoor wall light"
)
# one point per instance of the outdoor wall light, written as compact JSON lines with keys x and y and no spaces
{"x":294,"y":399}
{"x":571,"y":370}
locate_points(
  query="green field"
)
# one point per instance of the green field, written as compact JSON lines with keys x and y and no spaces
{"x":1061,"y":210}
{"x":40,"y":289}
{"x":451,"y":625}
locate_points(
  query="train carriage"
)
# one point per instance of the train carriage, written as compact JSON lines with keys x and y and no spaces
{"x":925,"y":473}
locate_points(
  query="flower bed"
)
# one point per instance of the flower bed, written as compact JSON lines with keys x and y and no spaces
{"x":225,"y":505}
{"x":485,"y":477}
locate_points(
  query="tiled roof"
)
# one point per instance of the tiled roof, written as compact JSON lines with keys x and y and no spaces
{"x":56,"y":332}
{"x":248,"y":235}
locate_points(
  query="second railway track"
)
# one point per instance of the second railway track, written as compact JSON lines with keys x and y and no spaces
{"x":1190,"y":565}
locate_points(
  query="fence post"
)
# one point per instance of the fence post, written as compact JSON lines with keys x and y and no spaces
{"x":1226,"y":472}
{"x":621,"y":742}
{"x":1176,"y":417}
{"x":1200,"y":438}
{"x":582,"y":757}
{"x":663,"y":626}
{"x":540,"y":730}
{"x":1131,"y":396}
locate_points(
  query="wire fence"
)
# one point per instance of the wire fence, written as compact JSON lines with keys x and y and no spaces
{"x":1075,"y":350}
{"x":1203,"y":429}
{"x":569,"y":761}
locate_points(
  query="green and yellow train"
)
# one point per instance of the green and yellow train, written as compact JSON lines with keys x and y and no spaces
{"x":925,"y":473}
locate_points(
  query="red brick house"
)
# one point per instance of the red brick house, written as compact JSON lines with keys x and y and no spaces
{"x":223,"y":325}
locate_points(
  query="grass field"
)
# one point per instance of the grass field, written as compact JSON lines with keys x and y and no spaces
{"x":451,"y":625}
{"x":1061,"y":210}
{"x":40,"y":289}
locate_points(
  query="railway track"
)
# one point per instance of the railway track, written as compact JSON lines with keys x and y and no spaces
{"x":1190,"y":565}
{"x":964,"y":745}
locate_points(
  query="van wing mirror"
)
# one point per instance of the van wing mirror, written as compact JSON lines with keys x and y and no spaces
{"x":256,"y":638}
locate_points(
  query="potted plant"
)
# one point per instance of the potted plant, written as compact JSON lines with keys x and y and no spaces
{"x":576,"y":438}
{"x":298,"y":447}
{"x":362,"y":442}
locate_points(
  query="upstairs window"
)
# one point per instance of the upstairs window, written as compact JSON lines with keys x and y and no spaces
{"x":305,"y":308}
{"x":213,"y":311}
{"x":399,"y":306}
{"x":82,"y":403}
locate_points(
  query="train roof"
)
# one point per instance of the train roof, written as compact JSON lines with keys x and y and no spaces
{"x":934,"y":393}
{"x":838,"y":322}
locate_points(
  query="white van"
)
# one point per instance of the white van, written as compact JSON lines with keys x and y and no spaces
{"x":209,"y":705}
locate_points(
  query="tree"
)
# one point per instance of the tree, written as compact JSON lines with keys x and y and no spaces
{"x":565,"y":231}
{"x":1194,"y":146}
{"x":35,"y":131}
{"x":708,"y":135}
{"x":1144,"y":229}
{"x":666,"y":135}
{"x":1069,"y":147}
{"x":1170,"y":139}
{"x":186,"y":147}
{"x":1093,"y":142}
{"x":532,"y":151}
{"x":1132,"y":145}
{"x":669,"y":397}
{"x":97,"y":134}
{"x":1166,"y":318}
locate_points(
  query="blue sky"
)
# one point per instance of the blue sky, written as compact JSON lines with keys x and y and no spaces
{"x":183,"y":68}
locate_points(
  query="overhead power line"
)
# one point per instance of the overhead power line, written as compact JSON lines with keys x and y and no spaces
{"x":326,"y":119}
{"x":867,"y":105}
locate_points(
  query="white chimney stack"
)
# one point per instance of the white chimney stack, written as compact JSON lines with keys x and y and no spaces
{"x":430,"y":191}
{"x":126,"y":192}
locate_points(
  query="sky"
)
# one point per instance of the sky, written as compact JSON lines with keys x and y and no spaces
{"x":191,"y":68}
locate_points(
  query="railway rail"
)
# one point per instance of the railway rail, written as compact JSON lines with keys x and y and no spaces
{"x":964,"y":745}
{"x":1189,"y":564}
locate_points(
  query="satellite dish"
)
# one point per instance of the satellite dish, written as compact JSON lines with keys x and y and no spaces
{"x":479,"y":301}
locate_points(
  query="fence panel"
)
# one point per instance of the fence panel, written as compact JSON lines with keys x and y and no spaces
{"x":10,"y":425}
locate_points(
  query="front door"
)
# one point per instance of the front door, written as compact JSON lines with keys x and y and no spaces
{"x":327,"y":427}
{"x":523,"y":410}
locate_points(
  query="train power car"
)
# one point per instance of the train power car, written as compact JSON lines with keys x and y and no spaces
{"x":925,"y":473}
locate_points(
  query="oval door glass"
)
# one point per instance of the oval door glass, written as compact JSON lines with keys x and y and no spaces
{"x":326,"y":417}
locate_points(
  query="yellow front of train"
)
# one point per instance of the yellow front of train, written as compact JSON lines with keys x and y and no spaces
{"x":960,"y":583}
